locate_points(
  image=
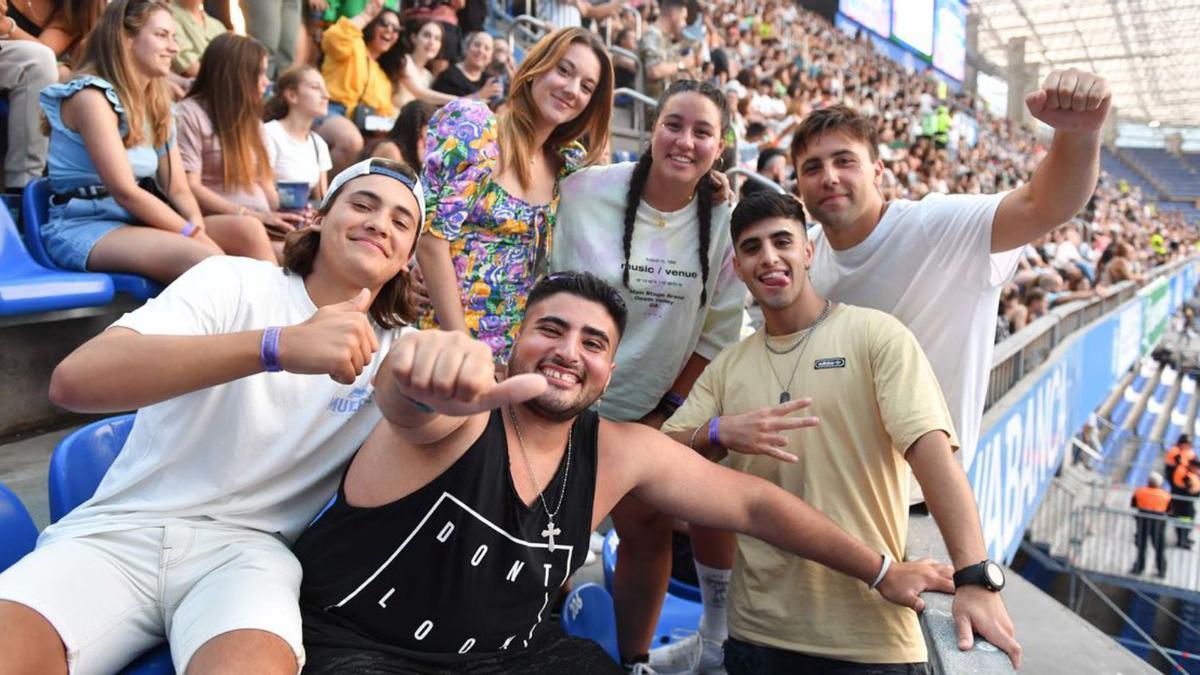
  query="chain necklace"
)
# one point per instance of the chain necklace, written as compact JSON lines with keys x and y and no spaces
{"x":802,"y":338}
{"x":551,"y":531}
{"x":786,"y":394}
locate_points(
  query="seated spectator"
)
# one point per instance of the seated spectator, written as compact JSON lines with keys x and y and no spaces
{"x":61,"y":25}
{"x":112,"y":146}
{"x":234,"y":370}
{"x":502,"y":59}
{"x":406,"y":141}
{"x":297,"y":154}
{"x":1036,"y":304}
{"x":196,"y":30}
{"x":26,"y":68}
{"x":665,"y":56}
{"x":221,"y":138}
{"x":470,"y":76}
{"x":351,"y":68}
{"x":407,"y":63}
{"x":625,"y":68}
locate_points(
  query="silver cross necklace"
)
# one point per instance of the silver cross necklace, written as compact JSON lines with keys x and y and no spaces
{"x":551,"y":531}
{"x":786,"y":394}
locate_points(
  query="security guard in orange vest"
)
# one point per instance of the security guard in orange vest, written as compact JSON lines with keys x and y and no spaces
{"x":1185,"y":482}
{"x":1180,"y":453}
{"x":1151,"y":501}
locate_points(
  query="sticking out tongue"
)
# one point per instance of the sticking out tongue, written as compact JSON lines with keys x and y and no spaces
{"x":775,"y":280}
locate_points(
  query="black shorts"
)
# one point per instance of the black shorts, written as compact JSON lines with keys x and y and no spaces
{"x":555,"y":653}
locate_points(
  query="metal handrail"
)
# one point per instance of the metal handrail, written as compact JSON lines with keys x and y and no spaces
{"x":757,"y":178}
{"x":1129,"y":621}
{"x":639,"y":78}
{"x":636,"y":95}
{"x":637,"y":20}
{"x":520,"y":22}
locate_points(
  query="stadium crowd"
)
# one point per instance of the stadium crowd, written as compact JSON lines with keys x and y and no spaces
{"x":388,"y":166}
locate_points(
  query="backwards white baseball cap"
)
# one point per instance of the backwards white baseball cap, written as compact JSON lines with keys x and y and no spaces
{"x":382,"y":167}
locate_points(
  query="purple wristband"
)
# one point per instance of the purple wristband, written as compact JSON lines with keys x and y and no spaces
{"x":189,"y":228}
{"x":674,"y":399}
{"x":714,"y":432}
{"x":268,"y":356}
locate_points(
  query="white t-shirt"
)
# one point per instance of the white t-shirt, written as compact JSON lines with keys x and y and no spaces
{"x":293,"y":160}
{"x":666,"y":323}
{"x":263,"y":452}
{"x":929,"y":264}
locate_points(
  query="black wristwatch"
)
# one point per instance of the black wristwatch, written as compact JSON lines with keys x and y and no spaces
{"x":987,"y":574}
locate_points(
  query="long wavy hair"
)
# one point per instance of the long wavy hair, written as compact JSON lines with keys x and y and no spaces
{"x":107,"y":54}
{"x":515,"y":126}
{"x":703,"y":191}
{"x":227,"y":88}
{"x":79,"y":18}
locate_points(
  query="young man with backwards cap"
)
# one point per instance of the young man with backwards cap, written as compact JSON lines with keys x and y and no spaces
{"x":253,"y":386}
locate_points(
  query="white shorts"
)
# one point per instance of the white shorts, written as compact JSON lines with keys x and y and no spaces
{"x":113,"y":595}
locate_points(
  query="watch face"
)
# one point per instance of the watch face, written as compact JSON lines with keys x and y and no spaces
{"x":994,"y":573}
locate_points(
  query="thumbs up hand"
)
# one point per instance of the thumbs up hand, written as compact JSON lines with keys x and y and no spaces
{"x":337,"y":340}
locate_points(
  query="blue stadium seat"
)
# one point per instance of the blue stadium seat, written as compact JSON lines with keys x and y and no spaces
{"x":35,"y":211}
{"x":681,"y":610}
{"x":18,"y":534}
{"x":588,"y":613}
{"x":29,"y":288}
{"x":608,"y":558}
{"x":76,"y":467}
{"x":81,"y":460}
{"x":624,"y":156}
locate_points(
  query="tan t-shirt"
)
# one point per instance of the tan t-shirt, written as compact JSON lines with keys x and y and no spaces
{"x":876,"y":395}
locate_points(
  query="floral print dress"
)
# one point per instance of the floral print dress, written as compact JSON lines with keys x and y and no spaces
{"x":496,"y":240}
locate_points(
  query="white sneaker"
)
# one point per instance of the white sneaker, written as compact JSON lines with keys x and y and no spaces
{"x":642,"y":669}
{"x":596,"y":542}
{"x":693,"y":654}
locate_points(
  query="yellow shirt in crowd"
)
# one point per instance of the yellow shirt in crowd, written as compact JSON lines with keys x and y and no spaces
{"x":351,"y":74}
{"x":875,"y":394}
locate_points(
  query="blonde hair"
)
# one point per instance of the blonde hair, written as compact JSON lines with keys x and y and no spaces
{"x":107,"y":55}
{"x":514,"y":129}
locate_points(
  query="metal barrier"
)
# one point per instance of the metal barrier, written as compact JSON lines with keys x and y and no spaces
{"x":756,"y":177}
{"x":637,"y":24}
{"x":1029,"y":347}
{"x":1102,"y":542}
{"x":525,"y":25}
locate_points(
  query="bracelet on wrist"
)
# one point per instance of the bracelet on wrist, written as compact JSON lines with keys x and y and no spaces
{"x":695,"y":433}
{"x":268,"y":354}
{"x":189,"y":228}
{"x":883,"y":570}
{"x":714,"y":433}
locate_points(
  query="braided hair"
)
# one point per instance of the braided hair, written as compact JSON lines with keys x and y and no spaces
{"x":704,"y":188}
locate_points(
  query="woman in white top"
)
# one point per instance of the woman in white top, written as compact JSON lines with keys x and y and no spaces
{"x":297,"y":154}
{"x":654,"y":230}
{"x":407,"y":64}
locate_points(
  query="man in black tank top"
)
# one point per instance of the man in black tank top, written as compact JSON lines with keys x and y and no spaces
{"x":472,"y":503}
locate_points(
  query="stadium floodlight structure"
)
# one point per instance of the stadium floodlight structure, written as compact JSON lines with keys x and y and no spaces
{"x":1147,"y":49}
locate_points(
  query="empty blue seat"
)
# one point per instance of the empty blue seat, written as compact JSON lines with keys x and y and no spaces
{"x":29,"y":288}
{"x":35,"y":211}
{"x":588,"y":613}
{"x":18,"y":534}
{"x":624,"y":156}
{"x":81,"y":460}
{"x":78,"y":464}
{"x":681,"y":609}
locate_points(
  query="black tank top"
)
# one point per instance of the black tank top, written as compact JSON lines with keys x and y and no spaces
{"x":23,"y":22}
{"x":458,"y":569}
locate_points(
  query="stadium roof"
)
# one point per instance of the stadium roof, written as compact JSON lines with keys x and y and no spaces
{"x":1149,"y":50}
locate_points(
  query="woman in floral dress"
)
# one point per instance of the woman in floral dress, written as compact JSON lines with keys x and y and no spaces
{"x":491,"y":185}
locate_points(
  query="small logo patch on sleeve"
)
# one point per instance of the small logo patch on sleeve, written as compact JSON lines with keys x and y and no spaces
{"x":822,"y":364}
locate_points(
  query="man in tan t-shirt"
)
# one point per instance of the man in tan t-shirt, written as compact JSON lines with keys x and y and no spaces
{"x":880,"y":407}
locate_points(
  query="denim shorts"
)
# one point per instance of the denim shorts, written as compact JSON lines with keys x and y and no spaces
{"x":335,"y":109}
{"x":744,"y":658}
{"x":74,"y":228}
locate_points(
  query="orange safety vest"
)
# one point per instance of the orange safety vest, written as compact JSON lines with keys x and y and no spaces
{"x":1154,"y":499}
{"x":1180,"y":478}
{"x":1177,"y":455}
